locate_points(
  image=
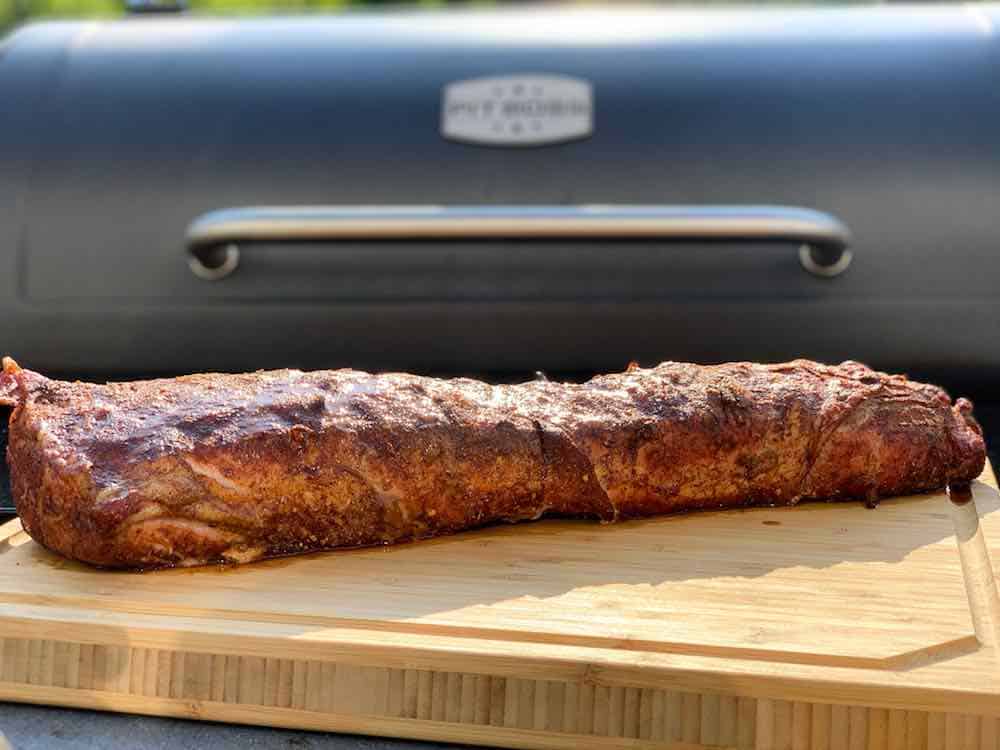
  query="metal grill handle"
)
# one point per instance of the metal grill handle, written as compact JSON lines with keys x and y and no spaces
{"x":213,"y":239}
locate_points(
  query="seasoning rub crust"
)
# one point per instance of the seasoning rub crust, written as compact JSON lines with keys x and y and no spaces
{"x":232,"y":468}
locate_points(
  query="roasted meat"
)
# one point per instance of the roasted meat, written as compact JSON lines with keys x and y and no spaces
{"x":211,"y":468}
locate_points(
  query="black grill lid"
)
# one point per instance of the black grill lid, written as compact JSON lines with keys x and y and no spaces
{"x":126,"y":132}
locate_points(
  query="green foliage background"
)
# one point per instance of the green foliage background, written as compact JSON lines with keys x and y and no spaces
{"x":13,"y":12}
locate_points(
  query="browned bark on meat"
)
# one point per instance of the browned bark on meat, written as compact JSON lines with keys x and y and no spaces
{"x":209,"y":468}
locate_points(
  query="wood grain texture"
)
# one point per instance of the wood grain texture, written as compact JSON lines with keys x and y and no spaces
{"x":377,"y":695}
{"x":546,"y":653}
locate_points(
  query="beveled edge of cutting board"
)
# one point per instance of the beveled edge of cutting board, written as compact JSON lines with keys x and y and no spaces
{"x":944,"y":649}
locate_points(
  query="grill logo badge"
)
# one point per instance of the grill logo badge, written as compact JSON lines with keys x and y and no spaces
{"x":522,"y":110}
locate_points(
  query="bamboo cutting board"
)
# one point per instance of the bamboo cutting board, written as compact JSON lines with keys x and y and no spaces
{"x":828,"y":627}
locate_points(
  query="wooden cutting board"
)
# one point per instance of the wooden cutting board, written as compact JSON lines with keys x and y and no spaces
{"x":832,"y":627}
